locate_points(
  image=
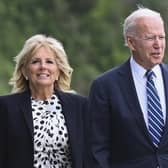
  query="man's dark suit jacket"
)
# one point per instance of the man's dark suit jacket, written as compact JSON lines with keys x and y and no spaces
{"x":119,"y":136}
{"x":16,"y":128}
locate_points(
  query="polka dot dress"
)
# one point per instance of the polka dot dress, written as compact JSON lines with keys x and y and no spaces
{"x":51,"y":143}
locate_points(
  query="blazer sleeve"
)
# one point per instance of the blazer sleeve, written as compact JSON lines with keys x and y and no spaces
{"x":3,"y":132}
{"x":100,"y":121}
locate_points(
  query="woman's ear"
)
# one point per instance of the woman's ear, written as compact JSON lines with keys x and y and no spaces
{"x":24,"y":73}
{"x":131,"y":43}
{"x":57,"y":75}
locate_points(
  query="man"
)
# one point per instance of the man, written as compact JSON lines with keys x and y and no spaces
{"x":129,"y":126}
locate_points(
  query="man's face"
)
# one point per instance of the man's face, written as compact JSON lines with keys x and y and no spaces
{"x":148,"y":45}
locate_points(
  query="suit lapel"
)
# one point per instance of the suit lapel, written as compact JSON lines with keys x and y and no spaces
{"x":165,"y":79}
{"x":27,"y":111}
{"x":67,"y":108}
{"x":74,"y":124}
{"x":129,"y":91}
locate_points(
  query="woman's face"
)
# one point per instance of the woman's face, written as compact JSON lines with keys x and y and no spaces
{"x":42,"y":70}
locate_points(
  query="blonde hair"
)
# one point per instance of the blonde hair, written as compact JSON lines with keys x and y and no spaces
{"x":18,"y":80}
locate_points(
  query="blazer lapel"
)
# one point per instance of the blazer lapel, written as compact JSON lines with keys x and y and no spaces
{"x":68,"y":113}
{"x":129,"y":90}
{"x":165,"y":79}
{"x":25,"y":102}
{"x":74,"y":125}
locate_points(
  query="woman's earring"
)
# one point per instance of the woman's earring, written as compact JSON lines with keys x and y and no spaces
{"x":26,"y":77}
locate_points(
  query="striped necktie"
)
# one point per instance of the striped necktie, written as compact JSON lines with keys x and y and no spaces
{"x":155,"y":114}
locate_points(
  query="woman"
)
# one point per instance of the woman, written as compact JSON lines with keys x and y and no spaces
{"x":41,"y":123}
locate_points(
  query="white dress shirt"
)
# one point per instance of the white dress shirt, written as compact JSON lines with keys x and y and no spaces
{"x":139,"y":78}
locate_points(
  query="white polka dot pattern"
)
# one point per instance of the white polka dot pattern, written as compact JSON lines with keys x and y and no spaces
{"x":51,"y":143}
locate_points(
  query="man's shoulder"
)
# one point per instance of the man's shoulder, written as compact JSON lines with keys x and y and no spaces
{"x":113,"y":72}
{"x":164,"y":66}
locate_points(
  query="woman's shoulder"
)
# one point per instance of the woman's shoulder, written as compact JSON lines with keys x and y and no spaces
{"x":71,"y":95}
{"x":12,"y":96}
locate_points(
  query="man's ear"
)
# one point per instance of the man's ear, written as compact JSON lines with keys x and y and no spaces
{"x":131,"y":43}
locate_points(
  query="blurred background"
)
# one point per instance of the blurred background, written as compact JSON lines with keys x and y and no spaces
{"x":90,"y":30}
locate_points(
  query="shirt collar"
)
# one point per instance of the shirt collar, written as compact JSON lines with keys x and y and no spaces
{"x":137,"y":69}
{"x":141,"y":71}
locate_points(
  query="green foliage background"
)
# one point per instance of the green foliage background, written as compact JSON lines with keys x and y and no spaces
{"x":90,"y":30}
